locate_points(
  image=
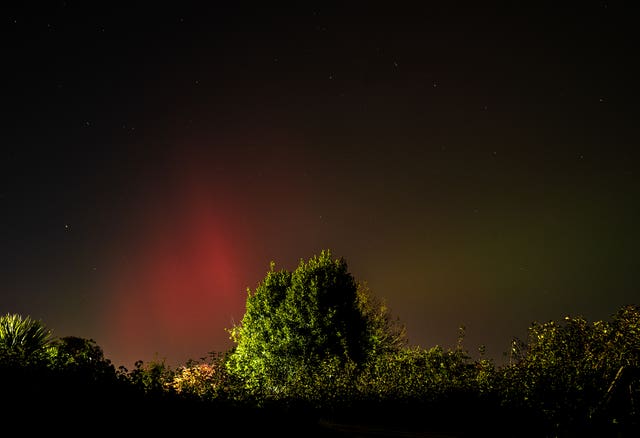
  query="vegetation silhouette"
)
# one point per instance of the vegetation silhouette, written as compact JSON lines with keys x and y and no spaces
{"x":317,"y":354}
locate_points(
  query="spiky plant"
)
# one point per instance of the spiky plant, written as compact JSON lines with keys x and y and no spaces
{"x":23,"y":340}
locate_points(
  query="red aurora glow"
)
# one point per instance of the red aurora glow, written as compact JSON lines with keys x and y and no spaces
{"x":177,"y":283}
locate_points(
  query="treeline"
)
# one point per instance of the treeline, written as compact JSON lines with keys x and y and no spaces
{"x":317,"y":349}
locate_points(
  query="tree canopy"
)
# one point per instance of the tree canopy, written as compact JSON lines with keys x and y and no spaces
{"x":297,"y":323}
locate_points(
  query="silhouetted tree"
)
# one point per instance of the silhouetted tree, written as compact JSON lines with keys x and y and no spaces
{"x":84,"y":359}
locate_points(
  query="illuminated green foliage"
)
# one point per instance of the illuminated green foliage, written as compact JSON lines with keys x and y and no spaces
{"x":315,"y":337}
{"x":23,"y":340}
{"x":299,"y":323}
{"x":569,"y":371}
{"x":153,"y":378}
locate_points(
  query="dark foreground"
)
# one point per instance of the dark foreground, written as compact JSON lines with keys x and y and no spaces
{"x":43,"y":403}
{"x":34,"y":412}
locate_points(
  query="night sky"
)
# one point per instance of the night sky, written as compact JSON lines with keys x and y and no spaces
{"x":475,"y":166}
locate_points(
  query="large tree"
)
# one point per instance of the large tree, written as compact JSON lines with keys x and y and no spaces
{"x":301,"y":326}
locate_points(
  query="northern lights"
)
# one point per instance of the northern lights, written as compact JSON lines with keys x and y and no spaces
{"x":475,"y":166}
